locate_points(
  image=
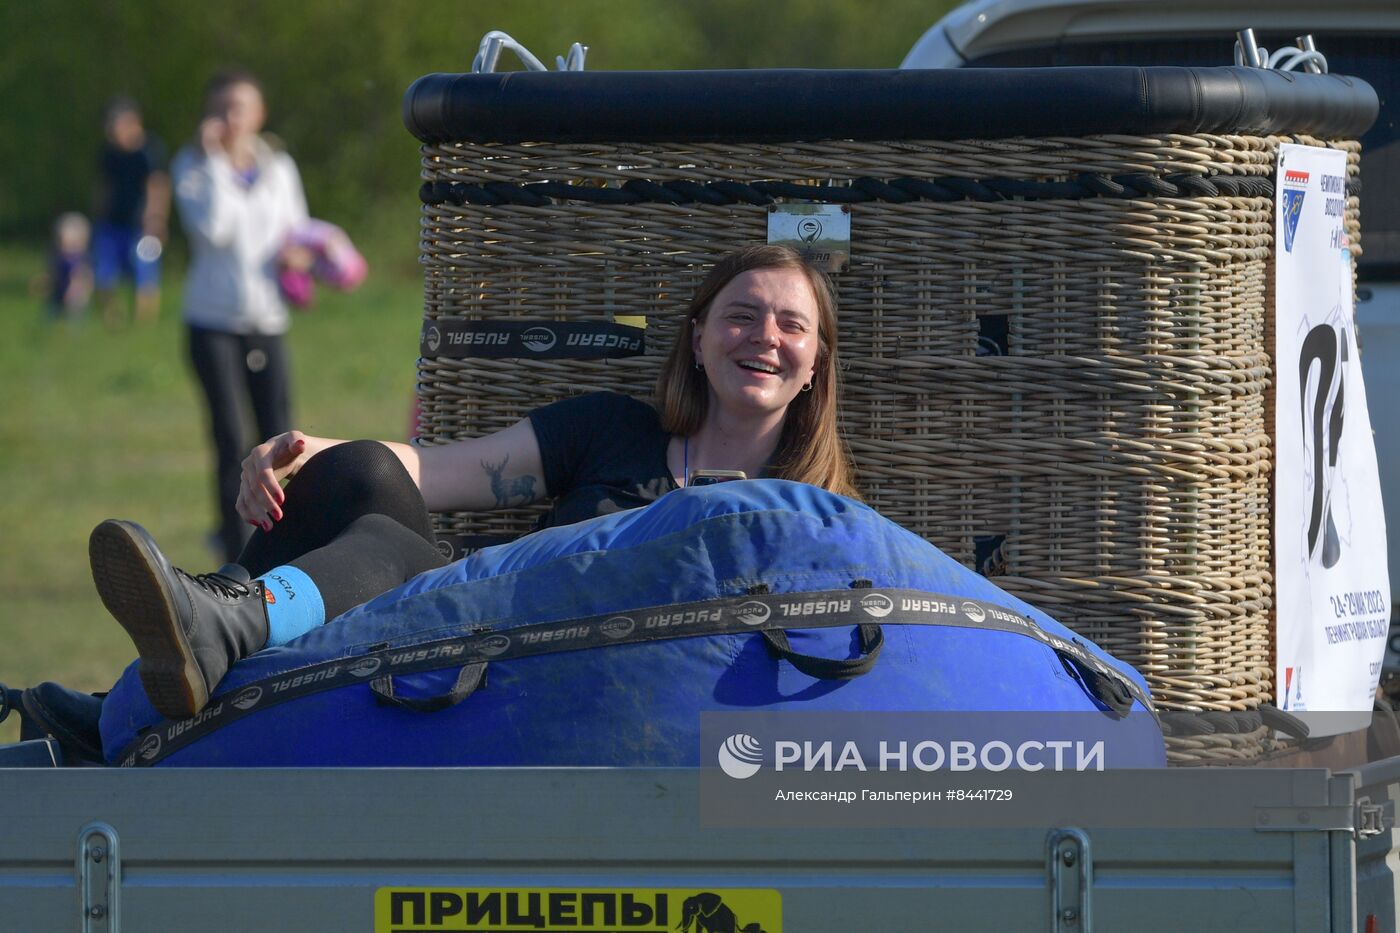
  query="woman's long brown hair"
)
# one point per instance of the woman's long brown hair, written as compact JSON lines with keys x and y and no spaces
{"x":810,"y":449}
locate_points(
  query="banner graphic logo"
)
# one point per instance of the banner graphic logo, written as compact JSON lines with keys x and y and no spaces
{"x":1325,"y":349}
{"x":1295,"y":185}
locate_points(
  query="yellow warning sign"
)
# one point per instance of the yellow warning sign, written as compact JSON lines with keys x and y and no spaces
{"x":555,"y":910}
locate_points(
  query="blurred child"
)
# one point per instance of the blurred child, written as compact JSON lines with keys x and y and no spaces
{"x":70,"y":275}
{"x":317,"y":251}
{"x":133,"y":212}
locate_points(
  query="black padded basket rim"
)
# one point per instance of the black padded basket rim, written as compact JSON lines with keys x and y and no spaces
{"x":788,"y":105}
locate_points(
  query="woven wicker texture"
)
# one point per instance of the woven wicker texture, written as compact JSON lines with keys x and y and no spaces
{"x":1112,"y":467}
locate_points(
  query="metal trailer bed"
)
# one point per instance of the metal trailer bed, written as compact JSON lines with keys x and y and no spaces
{"x":214,"y":850}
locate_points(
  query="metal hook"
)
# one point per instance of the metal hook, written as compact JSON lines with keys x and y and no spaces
{"x":488,"y":54}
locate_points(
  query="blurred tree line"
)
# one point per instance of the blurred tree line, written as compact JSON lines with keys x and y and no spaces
{"x":334,"y":73}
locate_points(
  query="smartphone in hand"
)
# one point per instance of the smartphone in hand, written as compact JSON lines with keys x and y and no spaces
{"x":710,"y":477}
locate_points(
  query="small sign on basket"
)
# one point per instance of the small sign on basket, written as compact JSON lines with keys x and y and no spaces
{"x":820,"y":232}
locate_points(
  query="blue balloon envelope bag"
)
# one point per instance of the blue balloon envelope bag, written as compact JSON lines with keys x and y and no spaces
{"x":599,"y":644}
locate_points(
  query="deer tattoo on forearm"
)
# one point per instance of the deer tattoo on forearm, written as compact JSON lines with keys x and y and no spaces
{"x":521,"y":487}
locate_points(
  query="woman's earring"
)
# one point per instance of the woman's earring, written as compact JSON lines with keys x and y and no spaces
{"x":699,"y":366}
{"x":807,"y":387}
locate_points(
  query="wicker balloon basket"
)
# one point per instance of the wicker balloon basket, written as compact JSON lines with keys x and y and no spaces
{"x":1055,"y":350}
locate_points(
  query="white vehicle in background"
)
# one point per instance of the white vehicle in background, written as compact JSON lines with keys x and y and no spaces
{"x":1357,"y":37}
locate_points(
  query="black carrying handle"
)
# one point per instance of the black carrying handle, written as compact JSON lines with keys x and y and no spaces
{"x":1104,"y":685}
{"x":872,"y":639}
{"x":471,"y":677}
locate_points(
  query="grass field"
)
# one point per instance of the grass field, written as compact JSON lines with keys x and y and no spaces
{"x":100,"y":424}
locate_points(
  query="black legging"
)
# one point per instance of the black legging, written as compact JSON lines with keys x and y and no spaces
{"x":232,"y":367}
{"x":354,"y":522}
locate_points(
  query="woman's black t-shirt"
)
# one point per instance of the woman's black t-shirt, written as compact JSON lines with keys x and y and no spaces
{"x":602,"y":453}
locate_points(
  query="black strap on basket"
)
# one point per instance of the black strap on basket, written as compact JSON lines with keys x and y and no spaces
{"x":861,"y":190}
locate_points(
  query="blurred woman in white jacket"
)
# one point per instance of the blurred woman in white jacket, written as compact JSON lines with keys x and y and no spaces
{"x":238,"y":198}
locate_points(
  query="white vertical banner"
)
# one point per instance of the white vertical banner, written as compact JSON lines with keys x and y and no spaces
{"x":1332,"y":589}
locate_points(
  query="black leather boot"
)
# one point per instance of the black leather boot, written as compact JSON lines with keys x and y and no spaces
{"x":189,"y":630}
{"x":70,"y":716}
{"x":12,"y":701}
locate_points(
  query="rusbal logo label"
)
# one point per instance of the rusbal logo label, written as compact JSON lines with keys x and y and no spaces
{"x":605,"y":342}
{"x":248,"y":698}
{"x":538,"y":339}
{"x":150,"y":746}
{"x":364,"y":667}
{"x":495,"y":645}
{"x":973,"y":611}
{"x":618,"y":627}
{"x":877,"y":604}
{"x":741,"y":756}
{"x":753,"y":613}
{"x":434,"y":339}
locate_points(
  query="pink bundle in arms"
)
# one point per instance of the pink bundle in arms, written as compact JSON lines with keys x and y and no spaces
{"x":318,"y":251}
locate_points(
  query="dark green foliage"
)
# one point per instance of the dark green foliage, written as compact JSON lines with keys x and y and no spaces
{"x":334,"y":73}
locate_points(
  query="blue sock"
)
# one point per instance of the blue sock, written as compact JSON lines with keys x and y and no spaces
{"x":294,"y":605}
